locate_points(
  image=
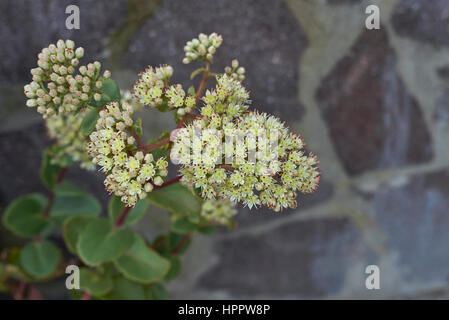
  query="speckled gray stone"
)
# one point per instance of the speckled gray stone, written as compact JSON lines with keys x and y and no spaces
{"x":263,"y":35}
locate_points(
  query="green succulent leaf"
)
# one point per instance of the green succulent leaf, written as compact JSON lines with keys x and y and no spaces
{"x":72,"y":229}
{"x":156,"y":291}
{"x":100,"y":242}
{"x":124,"y":289}
{"x":141,"y":263}
{"x":175,"y":268}
{"x":24,"y":216}
{"x":116,"y":207}
{"x":186,"y":202}
{"x":66,"y":188}
{"x":97,"y":284}
{"x":89,"y":121}
{"x":183,"y":226}
{"x":109,"y":92}
{"x":163,"y":107}
{"x":66,"y":205}
{"x":175,"y":240}
{"x":191,"y":91}
{"x":137,"y":127}
{"x":40,"y":259}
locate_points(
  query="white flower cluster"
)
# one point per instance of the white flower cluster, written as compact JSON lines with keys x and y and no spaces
{"x":131,"y":173}
{"x":55,"y":87}
{"x":218,"y":211}
{"x":149,"y":88}
{"x":202,"y":48}
{"x":265,"y":165}
{"x":235,"y":72}
{"x":229,"y":97}
{"x":153,"y":89}
{"x":66,"y":130}
{"x":178,"y":100}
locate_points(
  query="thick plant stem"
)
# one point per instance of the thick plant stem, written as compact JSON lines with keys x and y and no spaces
{"x":203,"y":82}
{"x":150,"y":147}
{"x":51,"y":198}
{"x":140,"y":144}
{"x":183,"y":241}
{"x":122,"y":217}
{"x":167,"y":183}
{"x":199,"y":92}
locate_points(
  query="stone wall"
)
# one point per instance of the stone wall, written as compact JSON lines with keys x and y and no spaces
{"x":372,"y":104}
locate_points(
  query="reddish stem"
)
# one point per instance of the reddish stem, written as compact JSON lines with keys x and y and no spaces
{"x":167,"y":183}
{"x":181,"y":243}
{"x":51,"y":198}
{"x":150,"y":147}
{"x":202,"y":83}
{"x":61,"y":175}
{"x":159,"y":244}
{"x":140,"y":144}
{"x":19,"y":292}
{"x":122,"y":217}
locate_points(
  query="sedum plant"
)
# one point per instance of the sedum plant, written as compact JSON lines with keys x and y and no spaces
{"x":226,"y":151}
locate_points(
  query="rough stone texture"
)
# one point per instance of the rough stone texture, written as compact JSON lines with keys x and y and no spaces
{"x":373,"y":105}
{"x":415,"y":219}
{"x":21,"y":176}
{"x":263,"y":35}
{"x":299,"y":260}
{"x":423,"y":20}
{"x":250,"y":217}
{"x":442,"y":110}
{"x":373,"y":121}
{"x":339,"y":2}
{"x":28,"y":26}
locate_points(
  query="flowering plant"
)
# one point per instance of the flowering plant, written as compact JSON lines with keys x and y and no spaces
{"x":227,"y":153}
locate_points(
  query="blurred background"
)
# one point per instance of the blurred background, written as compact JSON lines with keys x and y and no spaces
{"x":372,"y":104}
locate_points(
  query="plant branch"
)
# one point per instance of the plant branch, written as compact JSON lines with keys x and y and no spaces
{"x":150,"y":147}
{"x":121,"y":219}
{"x":159,"y":243}
{"x":183,"y":241}
{"x":202,"y":83}
{"x":140,"y":144}
{"x":51,"y":198}
{"x":167,"y":183}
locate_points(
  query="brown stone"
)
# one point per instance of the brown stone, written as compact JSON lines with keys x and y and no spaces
{"x":373,"y":121}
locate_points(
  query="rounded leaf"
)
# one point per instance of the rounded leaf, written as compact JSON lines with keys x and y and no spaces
{"x":89,"y":121}
{"x":156,"y":291}
{"x":66,"y":188}
{"x":24,"y":216}
{"x":186,"y":202}
{"x":96,"y":284}
{"x":101,"y":242}
{"x":141,"y":263}
{"x":72,"y":228}
{"x":74,"y":204}
{"x":109,"y":92}
{"x":40,"y":259}
{"x":116,"y":207}
{"x":124,"y":289}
